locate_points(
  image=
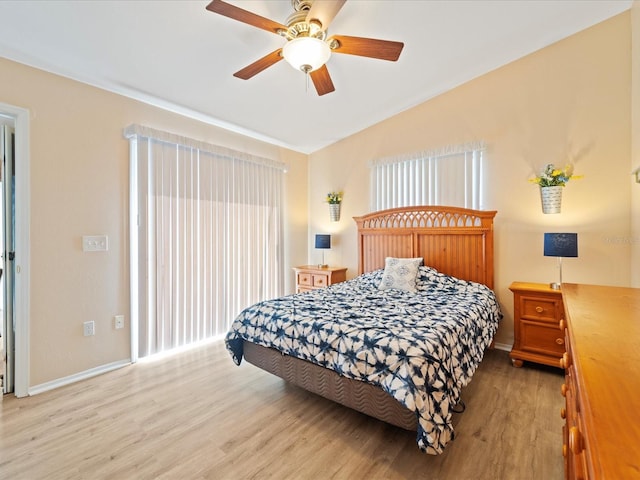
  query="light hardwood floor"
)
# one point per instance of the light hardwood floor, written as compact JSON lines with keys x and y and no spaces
{"x":198,"y":416}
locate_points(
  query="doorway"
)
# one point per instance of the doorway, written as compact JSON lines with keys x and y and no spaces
{"x":7,"y":203}
{"x":14,"y":210}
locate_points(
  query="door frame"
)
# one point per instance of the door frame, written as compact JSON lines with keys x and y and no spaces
{"x":22,"y":261}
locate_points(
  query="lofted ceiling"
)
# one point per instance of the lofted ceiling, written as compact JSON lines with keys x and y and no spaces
{"x":179,"y":56}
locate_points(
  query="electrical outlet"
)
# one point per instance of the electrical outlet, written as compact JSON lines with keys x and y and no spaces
{"x":89,"y":328}
{"x":118,"y":321}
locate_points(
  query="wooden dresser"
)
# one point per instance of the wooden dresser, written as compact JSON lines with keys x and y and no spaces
{"x":537,"y":317}
{"x":309,"y":277}
{"x":602,"y":382}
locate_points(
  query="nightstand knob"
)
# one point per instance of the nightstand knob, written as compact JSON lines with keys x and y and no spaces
{"x":562,"y":324}
{"x":559,"y":341}
{"x":563,"y":389}
{"x":539,"y":309}
{"x":563,"y":413}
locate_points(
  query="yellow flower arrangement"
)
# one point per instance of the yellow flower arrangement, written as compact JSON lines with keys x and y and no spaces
{"x":334,"y":198}
{"x":555,"y":177}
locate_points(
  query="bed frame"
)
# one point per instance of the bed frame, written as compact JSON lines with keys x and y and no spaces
{"x":455,"y":241}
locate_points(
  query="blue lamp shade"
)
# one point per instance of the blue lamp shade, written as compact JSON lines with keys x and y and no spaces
{"x":560,"y":244}
{"x":323,"y":241}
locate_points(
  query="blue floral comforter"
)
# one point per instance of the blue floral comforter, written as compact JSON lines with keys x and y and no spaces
{"x":422,"y":348}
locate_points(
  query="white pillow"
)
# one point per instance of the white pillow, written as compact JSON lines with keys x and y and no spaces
{"x":400,"y":273}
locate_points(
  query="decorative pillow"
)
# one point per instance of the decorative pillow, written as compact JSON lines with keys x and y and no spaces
{"x":400,"y":273}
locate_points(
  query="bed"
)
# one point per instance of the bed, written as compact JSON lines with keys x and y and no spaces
{"x":398,"y":353}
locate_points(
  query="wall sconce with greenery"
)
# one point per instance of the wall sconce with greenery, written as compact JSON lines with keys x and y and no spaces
{"x":551,"y":181}
{"x":334,"y":199}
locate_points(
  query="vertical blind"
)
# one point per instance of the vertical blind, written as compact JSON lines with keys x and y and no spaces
{"x":206,"y":237}
{"x":451,"y":176}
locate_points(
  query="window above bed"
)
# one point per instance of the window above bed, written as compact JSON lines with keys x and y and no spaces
{"x":450,"y":176}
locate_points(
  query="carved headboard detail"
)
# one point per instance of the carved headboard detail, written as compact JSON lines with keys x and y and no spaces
{"x":456,"y":241}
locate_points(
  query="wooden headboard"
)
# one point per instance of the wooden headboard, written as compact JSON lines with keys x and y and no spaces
{"x":456,"y":241}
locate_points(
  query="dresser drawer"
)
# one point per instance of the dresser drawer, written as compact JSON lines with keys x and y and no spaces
{"x":542,"y":339}
{"x":575,"y":446}
{"x":539,"y":308}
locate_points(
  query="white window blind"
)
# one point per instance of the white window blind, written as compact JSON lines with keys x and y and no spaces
{"x":452,"y":176}
{"x":206,"y":237}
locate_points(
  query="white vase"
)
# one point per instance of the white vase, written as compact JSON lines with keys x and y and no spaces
{"x":551,"y":198}
{"x":334,"y":212}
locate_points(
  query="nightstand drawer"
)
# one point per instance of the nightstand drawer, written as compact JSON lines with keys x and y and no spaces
{"x":320,"y":280}
{"x":305,"y":279}
{"x":542,"y":339}
{"x":311,"y":277}
{"x":539,"y":308}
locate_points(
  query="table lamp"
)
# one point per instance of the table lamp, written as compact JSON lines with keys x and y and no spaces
{"x":323,"y":242}
{"x":560,"y":245}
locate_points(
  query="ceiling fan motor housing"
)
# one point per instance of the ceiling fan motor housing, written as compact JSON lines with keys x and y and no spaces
{"x":297,"y":24}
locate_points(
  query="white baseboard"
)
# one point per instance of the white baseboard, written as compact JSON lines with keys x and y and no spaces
{"x":76,"y":377}
{"x":502,"y":346}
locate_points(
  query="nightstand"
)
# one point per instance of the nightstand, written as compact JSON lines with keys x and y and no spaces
{"x":310,"y":277}
{"x":538,"y":324}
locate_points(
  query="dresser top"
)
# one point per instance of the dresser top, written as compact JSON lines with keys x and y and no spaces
{"x":604,"y":330}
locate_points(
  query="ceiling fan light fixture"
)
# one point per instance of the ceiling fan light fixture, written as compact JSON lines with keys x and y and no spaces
{"x":306,"y":53}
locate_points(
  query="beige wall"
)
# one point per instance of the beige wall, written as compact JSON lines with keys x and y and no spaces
{"x":635,"y":142}
{"x":570,"y":101}
{"x":79,"y":186}
{"x":567,"y":102}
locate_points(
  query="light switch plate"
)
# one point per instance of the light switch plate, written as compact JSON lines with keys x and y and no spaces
{"x":89,"y":328}
{"x":95,"y":243}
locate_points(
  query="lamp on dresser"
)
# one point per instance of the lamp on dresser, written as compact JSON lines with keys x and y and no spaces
{"x":323,"y":242}
{"x":560,"y":245}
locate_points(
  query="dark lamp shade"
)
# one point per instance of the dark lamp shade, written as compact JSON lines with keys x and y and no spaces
{"x":560,"y":244}
{"x":323,"y":241}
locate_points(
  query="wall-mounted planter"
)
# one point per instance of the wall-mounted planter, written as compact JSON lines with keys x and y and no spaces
{"x":551,"y":198}
{"x":334,"y":212}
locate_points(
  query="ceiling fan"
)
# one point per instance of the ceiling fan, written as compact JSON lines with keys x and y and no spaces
{"x":308,"y":48}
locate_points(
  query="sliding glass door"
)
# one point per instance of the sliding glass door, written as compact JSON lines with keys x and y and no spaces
{"x":207,"y":240}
